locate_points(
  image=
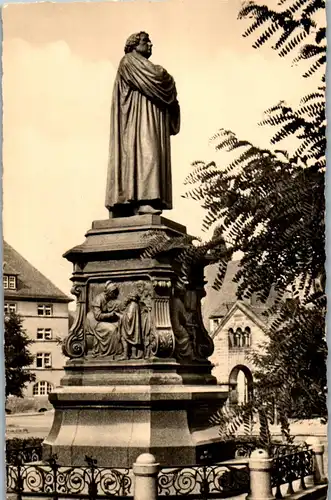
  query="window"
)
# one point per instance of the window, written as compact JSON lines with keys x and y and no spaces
{"x":10,"y":308}
{"x":247,"y":334}
{"x":231,"y":337}
{"x":240,"y":338}
{"x":42,"y":388}
{"x":45,"y":310}
{"x":44,"y":333}
{"x":12,"y":282}
{"x":9,"y":282}
{"x":43,"y":360}
{"x":214,"y":322}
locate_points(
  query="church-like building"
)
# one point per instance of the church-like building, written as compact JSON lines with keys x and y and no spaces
{"x":44,"y":310}
{"x":237,"y":327}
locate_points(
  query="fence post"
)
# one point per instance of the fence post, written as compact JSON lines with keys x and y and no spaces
{"x":260,"y":465}
{"x":145,"y":471}
{"x":318,"y":451}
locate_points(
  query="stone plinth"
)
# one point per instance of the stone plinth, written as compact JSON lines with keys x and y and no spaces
{"x":138,"y":379}
{"x":116,"y":423}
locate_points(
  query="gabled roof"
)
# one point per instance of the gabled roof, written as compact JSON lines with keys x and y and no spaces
{"x":260,"y":320}
{"x":8,"y":269}
{"x":30,"y":282}
{"x":217,"y":304}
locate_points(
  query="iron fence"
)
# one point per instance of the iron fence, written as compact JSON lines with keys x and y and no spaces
{"x":91,"y":482}
{"x":289,"y":468}
{"x":54,"y":481}
{"x":204,"y":482}
{"x":243,"y":449}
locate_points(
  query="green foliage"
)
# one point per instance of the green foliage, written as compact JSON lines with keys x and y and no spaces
{"x":292,"y":368}
{"x":187,"y":255}
{"x":27,"y":404}
{"x":269,"y":209}
{"x":296,"y":27}
{"x":26,"y":449}
{"x":18,"y":444}
{"x":270,"y":204}
{"x":17,"y":356}
{"x":231,"y":419}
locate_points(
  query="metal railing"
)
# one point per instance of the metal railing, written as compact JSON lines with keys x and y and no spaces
{"x":54,"y":481}
{"x":221,"y":480}
{"x":260,"y":476}
{"x":290,"y":468}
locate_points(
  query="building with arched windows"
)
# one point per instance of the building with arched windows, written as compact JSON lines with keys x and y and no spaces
{"x":237,"y":327}
{"x":44,"y":310}
{"x":41,"y":388}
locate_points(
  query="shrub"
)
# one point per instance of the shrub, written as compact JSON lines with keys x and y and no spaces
{"x":26,"y":449}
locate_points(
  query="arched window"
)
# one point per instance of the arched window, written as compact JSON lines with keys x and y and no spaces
{"x":231,"y":337}
{"x":238,"y":337}
{"x":241,"y":384}
{"x":247,"y":336}
{"x":42,"y":388}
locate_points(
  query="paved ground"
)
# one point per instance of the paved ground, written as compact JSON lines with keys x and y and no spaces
{"x":29,"y":425}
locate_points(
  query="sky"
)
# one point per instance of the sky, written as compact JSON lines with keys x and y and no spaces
{"x":59,"y":64}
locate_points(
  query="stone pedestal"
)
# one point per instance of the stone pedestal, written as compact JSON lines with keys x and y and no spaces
{"x":116,"y":423}
{"x":155,"y":391}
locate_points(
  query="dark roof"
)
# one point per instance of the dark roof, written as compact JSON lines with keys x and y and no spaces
{"x":8,"y":269}
{"x":218,"y":303}
{"x":30,"y":282}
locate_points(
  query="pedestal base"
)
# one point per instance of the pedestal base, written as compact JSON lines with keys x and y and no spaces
{"x":115,"y":424}
{"x":139,"y":379}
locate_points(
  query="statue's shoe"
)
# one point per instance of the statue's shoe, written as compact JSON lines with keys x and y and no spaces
{"x":148,"y":209}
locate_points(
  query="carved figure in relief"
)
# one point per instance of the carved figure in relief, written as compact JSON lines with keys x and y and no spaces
{"x":103,"y":322}
{"x":202,"y":344}
{"x":145,"y":304}
{"x":130,"y":328}
{"x":184,"y":345}
{"x":120,"y":328}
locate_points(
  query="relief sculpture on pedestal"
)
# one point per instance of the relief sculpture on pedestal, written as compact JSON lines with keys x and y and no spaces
{"x":119,"y":328}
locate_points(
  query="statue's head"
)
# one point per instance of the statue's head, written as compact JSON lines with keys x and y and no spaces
{"x":111,"y":289}
{"x":139,"y":42}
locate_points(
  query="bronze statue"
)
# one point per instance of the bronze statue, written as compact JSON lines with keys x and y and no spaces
{"x":144,"y":114}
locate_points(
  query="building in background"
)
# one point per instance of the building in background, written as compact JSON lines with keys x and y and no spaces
{"x":237,"y":327}
{"x":44,"y":310}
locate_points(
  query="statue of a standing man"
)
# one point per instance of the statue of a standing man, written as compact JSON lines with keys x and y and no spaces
{"x":144,"y":114}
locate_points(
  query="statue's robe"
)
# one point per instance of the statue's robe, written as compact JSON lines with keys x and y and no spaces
{"x":144,"y":113}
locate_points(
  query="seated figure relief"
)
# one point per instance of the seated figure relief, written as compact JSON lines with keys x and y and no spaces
{"x":118,"y":327}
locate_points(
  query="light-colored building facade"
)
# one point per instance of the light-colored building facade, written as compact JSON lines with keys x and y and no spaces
{"x":237,"y":327}
{"x":44,"y":310}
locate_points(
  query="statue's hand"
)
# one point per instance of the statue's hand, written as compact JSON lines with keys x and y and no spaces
{"x":113,"y":316}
